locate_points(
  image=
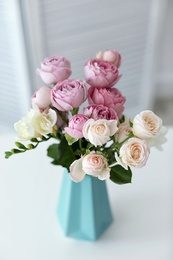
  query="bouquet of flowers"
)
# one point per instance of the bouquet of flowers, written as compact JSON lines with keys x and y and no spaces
{"x":97,"y":138}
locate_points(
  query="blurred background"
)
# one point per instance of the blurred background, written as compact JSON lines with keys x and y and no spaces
{"x":141,"y":30}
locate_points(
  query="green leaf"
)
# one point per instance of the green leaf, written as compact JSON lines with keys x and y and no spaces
{"x":20,"y":145}
{"x":120,"y":175}
{"x":71,"y":140}
{"x":30,"y":146}
{"x":16,"y":151}
{"x":122,"y":119}
{"x":8,"y":154}
{"x":62,"y":153}
{"x":34,"y":140}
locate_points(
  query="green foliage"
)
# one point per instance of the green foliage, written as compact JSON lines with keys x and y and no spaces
{"x":62,"y":154}
{"x":23,"y":148}
{"x":120,"y":175}
{"x":70,"y":139}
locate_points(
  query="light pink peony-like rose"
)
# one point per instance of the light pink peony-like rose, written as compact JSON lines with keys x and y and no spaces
{"x":111,"y":56}
{"x":75,"y":125}
{"x":134,"y":152}
{"x":109,"y":97}
{"x":54,"y":69}
{"x":96,"y":165}
{"x":68,"y":94}
{"x":100,"y":73}
{"x":100,"y":112}
{"x":99,"y":132}
{"x":42,"y":98}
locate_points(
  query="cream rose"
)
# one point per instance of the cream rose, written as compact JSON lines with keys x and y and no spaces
{"x":147,"y":125}
{"x":96,"y":165}
{"x":98,"y":132}
{"x":134,"y":152}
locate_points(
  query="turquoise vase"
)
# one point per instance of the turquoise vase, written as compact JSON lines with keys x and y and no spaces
{"x":83,"y":209}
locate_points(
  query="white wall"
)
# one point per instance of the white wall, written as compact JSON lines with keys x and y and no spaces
{"x":164,"y":73}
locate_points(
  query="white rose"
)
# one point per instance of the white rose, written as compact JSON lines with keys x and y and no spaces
{"x":98,"y":132}
{"x":124,"y":130}
{"x":76,"y":172}
{"x":96,"y":165}
{"x":147,"y":125}
{"x":35,"y":124}
{"x":134,"y":152}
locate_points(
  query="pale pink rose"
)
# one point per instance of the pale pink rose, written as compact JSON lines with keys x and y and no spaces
{"x":68,"y":94}
{"x":54,"y":69}
{"x":76,"y":172}
{"x":123,"y":132}
{"x":75,"y":125}
{"x":99,"y":132}
{"x":134,"y":152}
{"x":109,"y":97}
{"x":147,"y":125}
{"x":111,"y":56}
{"x":100,"y":73}
{"x":96,"y":165}
{"x":100,"y":112}
{"x":42,"y":98}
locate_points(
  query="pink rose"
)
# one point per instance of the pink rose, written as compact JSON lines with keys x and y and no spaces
{"x":42,"y":98}
{"x":68,"y":94}
{"x":109,"y":97}
{"x":54,"y":69}
{"x":75,"y":126}
{"x":100,"y":112}
{"x":100,"y":73}
{"x":111,"y":56}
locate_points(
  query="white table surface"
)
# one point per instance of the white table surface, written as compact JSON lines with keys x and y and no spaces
{"x":142,"y":211}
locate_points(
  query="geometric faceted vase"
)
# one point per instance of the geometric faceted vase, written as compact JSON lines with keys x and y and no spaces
{"x":83,"y":209}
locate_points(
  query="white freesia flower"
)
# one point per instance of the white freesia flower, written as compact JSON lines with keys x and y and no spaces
{"x":134,"y":152}
{"x":98,"y":132}
{"x":96,"y":165}
{"x":147,"y":125}
{"x":35,"y":124}
{"x":24,"y":127}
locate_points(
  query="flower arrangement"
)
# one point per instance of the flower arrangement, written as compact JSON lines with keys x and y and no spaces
{"x":98,"y":139}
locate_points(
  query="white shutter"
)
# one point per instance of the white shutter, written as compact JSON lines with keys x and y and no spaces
{"x":76,"y":29}
{"x":79,"y":29}
{"x":14,"y":86}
